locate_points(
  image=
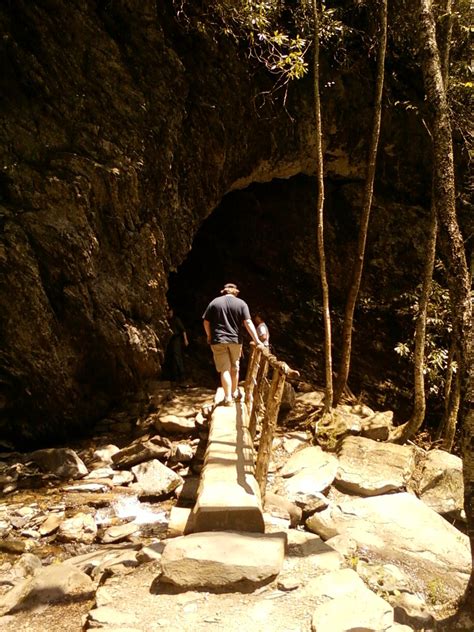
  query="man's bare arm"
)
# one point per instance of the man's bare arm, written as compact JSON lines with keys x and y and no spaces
{"x":207,"y":329}
{"x":250,"y":327}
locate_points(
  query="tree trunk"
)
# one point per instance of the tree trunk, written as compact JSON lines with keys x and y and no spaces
{"x":409,"y":429}
{"x":320,"y":218}
{"x":444,"y":185}
{"x":452,"y":412}
{"x":468,"y":470}
{"x":353,"y":293}
{"x":452,"y":399}
{"x":444,"y":38}
{"x":404,"y":432}
{"x":452,"y":247}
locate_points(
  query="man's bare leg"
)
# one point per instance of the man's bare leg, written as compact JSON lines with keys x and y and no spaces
{"x":234,"y":373}
{"x":226,"y":383}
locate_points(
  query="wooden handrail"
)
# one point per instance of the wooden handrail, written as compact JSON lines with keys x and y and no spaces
{"x":261,"y":360}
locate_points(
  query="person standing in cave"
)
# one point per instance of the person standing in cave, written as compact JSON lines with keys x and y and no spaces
{"x":262,"y":330}
{"x":176,"y":346}
{"x":224,"y":319}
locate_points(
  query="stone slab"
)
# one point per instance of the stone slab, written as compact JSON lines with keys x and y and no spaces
{"x":216,"y":559}
{"x":228,"y":495}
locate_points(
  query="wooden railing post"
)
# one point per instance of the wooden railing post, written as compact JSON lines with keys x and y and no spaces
{"x":268,"y":428}
{"x":251,"y":377}
{"x":258,"y":404}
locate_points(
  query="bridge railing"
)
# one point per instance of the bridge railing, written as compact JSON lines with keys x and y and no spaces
{"x":263,"y":398}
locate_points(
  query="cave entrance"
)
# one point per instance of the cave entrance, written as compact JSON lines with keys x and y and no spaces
{"x":263,"y":239}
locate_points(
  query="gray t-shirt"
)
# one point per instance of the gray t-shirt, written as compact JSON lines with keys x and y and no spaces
{"x":226,"y":315}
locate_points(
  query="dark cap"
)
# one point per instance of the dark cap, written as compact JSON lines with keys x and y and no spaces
{"x":230,"y":288}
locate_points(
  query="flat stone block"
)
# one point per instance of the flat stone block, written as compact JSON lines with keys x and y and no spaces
{"x":217,"y":558}
{"x":228,"y":496}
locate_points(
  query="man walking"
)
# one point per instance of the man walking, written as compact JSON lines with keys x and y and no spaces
{"x":224,"y":319}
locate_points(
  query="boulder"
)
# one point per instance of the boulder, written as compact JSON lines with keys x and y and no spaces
{"x":337,"y":583}
{"x":345,"y":613}
{"x":305,"y":475}
{"x":377,"y":426}
{"x":401,"y":528}
{"x":304,"y":544}
{"x":105,"y":453}
{"x":441,"y":485}
{"x":369,"y":468}
{"x":155,"y":479}
{"x":110,"y":616}
{"x":294,"y":440}
{"x":62,"y":462}
{"x":140,"y":451}
{"x":313,"y":458}
{"x":280,"y":507}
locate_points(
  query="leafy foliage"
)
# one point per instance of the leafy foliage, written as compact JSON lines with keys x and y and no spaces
{"x":277,"y":36}
{"x":438,"y":328}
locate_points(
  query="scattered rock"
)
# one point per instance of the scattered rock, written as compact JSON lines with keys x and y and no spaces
{"x":151,"y":553}
{"x":51,"y":523}
{"x":411,"y":610}
{"x":310,"y":398}
{"x":106,"y":615}
{"x":155,"y":479}
{"x":115,"y":534}
{"x":123,"y":477}
{"x":140,"y":451}
{"x":288,"y":583}
{"x":51,"y":584}
{"x":383,"y":577}
{"x":100,"y":472}
{"x":332,"y":585}
{"x":182,"y":453}
{"x":79,"y":528}
{"x":27,"y":565}
{"x":63,"y":462}
{"x":172,"y":424}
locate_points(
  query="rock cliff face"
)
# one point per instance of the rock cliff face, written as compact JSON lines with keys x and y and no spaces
{"x":122,"y":130}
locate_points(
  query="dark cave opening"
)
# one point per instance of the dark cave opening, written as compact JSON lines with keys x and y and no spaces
{"x":263,"y":239}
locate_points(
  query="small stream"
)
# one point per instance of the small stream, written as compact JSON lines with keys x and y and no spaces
{"x":102,"y":502}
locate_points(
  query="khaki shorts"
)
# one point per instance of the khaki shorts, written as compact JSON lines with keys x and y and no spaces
{"x":226,"y":356}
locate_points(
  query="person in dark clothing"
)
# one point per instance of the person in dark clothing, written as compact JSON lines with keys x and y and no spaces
{"x":176,"y":345}
{"x":224,"y":320}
